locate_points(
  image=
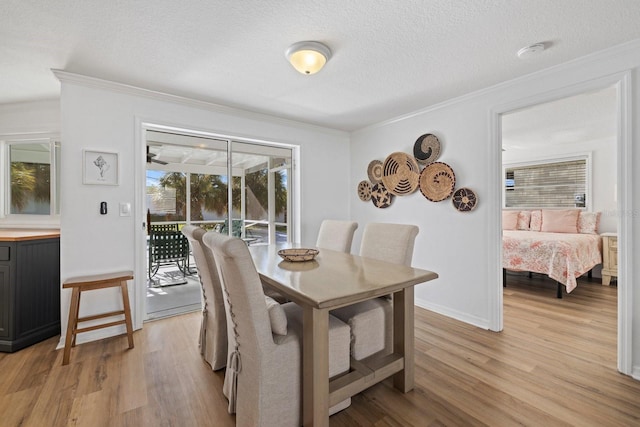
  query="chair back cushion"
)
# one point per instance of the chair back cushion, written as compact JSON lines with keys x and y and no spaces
{"x":389,"y":242}
{"x":336,"y":235}
{"x":213,"y":333}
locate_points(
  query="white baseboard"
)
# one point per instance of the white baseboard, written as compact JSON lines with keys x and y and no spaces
{"x":458,"y":315}
{"x":635,"y":373}
{"x":96,"y":335}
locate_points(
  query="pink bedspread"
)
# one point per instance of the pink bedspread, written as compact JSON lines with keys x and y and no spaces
{"x":561,"y":256}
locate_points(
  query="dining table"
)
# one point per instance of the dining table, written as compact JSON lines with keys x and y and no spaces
{"x":332,"y":280}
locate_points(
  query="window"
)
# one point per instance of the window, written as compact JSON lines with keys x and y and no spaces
{"x":31,"y":177}
{"x":549,"y":184}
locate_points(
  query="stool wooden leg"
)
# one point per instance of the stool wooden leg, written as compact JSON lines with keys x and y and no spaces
{"x":127,"y":312}
{"x":71,"y":325}
{"x":75,"y":335}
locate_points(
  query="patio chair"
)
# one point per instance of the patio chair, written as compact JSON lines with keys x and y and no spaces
{"x":167,"y":246}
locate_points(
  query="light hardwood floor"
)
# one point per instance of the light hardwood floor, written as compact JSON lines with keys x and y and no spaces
{"x":553,"y":365}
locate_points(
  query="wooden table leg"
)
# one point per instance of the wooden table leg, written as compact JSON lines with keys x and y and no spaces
{"x":315,"y":367}
{"x":403,"y":337}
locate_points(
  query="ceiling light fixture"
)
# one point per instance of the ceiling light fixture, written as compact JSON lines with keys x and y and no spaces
{"x":531,"y":50}
{"x":308,"y":57}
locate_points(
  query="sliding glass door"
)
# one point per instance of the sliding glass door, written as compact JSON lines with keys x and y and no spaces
{"x":187,"y":181}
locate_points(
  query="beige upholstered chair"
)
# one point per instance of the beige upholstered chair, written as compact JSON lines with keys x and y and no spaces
{"x":213,"y":329}
{"x":264,"y":365}
{"x":371,"y":321}
{"x":336,"y":235}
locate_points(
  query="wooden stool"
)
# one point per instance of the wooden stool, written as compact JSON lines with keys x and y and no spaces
{"x":89,"y":283}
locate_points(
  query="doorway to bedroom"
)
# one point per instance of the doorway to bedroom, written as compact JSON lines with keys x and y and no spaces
{"x":560,"y":219}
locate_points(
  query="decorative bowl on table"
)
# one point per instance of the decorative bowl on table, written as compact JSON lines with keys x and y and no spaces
{"x":298,"y":254}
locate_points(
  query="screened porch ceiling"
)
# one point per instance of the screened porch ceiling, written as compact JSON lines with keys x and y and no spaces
{"x":186,"y":152}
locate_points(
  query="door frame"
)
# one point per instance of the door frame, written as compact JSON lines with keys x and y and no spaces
{"x":622,"y":82}
{"x":139,"y":314}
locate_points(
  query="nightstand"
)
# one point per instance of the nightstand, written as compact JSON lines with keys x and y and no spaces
{"x":609,"y":257}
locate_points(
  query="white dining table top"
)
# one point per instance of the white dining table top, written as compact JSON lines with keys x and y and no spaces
{"x":333,"y":279}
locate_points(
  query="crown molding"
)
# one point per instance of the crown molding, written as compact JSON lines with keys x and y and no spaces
{"x":111,"y":86}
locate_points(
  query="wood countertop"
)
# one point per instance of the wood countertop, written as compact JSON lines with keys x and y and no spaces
{"x":16,"y":235}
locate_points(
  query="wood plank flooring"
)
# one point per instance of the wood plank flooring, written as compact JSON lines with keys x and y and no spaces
{"x":553,"y":365}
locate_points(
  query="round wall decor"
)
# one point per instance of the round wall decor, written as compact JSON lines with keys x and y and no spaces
{"x":400,"y":174}
{"x":364,"y":191}
{"x":464,"y":199}
{"x":427,"y":148}
{"x":375,"y":171}
{"x":380,"y":197}
{"x":437,"y":181}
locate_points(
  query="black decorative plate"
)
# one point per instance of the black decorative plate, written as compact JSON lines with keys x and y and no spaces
{"x":464,"y":199}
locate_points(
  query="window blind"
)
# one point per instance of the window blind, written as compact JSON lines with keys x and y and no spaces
{"x":547,"y":185}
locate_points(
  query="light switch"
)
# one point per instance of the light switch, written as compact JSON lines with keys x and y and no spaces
{"x":125,"y":209}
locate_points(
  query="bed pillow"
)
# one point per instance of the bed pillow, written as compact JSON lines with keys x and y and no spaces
{"x":536,"y":220}
{"x":588,"y":222}
{"x":509,"y":220}
{"x":277,"y":316}
{"x":524,"y":219}
{"x":560,"y":221}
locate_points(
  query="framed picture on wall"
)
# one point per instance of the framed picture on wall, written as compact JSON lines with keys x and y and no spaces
{"x":99,"y":167}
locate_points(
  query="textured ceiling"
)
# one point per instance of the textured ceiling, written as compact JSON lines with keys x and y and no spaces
{"x":389,"y":57}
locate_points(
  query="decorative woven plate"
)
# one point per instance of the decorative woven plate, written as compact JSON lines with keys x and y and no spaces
{"x":375,"y":171}
{"x":464,"y":199}
{"x":427,"y":148}
{"x":298,"y":254}
{"x":364,"y":191}
{"x":380,"y":197}
{"x":437,"y":181}
{"x":400,"y":174}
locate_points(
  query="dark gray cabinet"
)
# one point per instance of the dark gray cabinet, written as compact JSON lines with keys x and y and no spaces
{"x":29,"y":292}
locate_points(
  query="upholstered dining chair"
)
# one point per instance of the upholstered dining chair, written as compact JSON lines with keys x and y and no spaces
{"x":213,"y":329}
{"x":336,"y":235}
{"x":371,"y":321}
{"x":264,"y":368}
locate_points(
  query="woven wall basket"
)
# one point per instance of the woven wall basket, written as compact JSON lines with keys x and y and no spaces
{"x":400,"y":174}
{"x":464,"y":199}
{"x":380,"y":197}
{"x":364,"y":191}
{"x":427,"y":148}
{"x":375,"y":171}
{"x":437,"y":181}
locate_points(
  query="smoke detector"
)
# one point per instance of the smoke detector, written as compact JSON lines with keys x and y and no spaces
{"x":531,"y":50}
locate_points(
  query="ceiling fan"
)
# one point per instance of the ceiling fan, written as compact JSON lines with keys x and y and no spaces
{"x":150,"y":158}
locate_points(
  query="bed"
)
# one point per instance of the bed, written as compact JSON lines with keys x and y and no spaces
{"x":562,"y":256}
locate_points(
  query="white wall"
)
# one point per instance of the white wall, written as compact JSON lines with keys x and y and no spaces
{"x":603,"y":177}
{"x":455,"y":245}
{"x":103,"y":116}
{"x":30,"y":117}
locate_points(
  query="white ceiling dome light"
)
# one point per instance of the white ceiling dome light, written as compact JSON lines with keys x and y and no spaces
{"x":531,"y":50}
{"x":308,"y":57}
